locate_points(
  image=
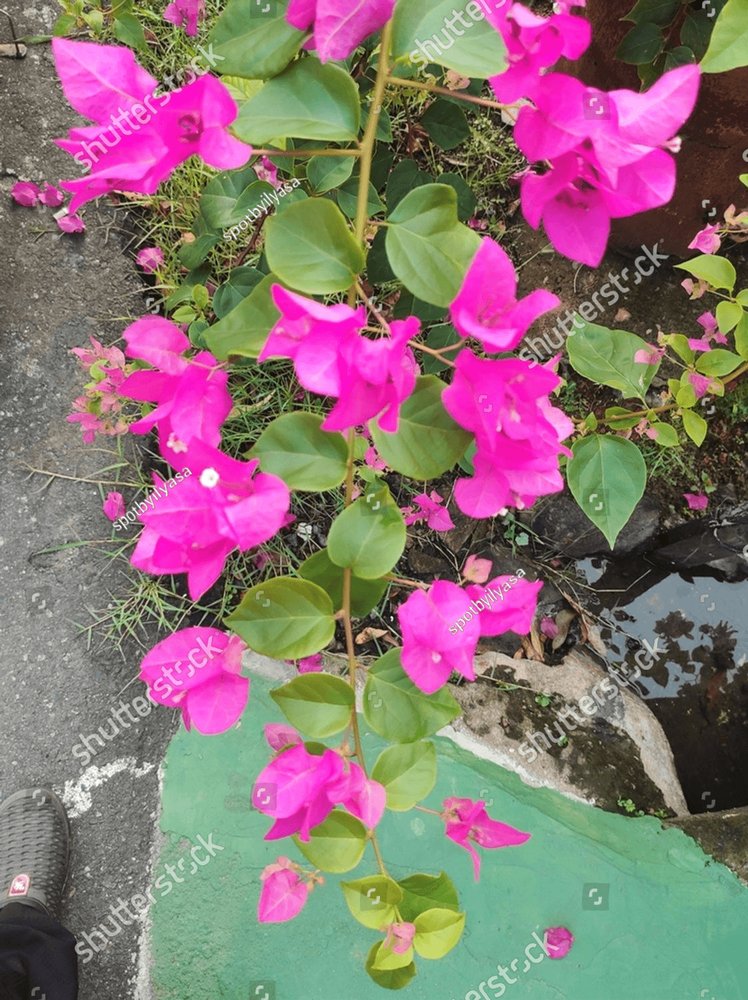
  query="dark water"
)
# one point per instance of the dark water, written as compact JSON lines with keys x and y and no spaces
{"x":695,"y":676}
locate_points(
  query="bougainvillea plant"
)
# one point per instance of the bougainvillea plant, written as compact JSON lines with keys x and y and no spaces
{"x":343,"y":216}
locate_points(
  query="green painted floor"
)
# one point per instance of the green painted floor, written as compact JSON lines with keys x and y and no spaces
{"x":669,"y":924}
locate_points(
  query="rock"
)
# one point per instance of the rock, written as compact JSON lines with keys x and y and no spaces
{"x":615,"y":747}
{"x":719,"y":544}
{"x":563,"y":526}
{"x":724,"y":835}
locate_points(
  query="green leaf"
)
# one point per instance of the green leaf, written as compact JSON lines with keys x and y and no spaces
{"x":348,"y":199}
{"x":443,"y":335}
{"x":679,"y":344}
{"x":478,"y":53}
{"x":307,"y":101}
{"x":369,"y":536}
{"x":365,"y":594}
{"x":681,"y":55}
{"x":373,"y":900}
{"x":446,"y":124}
{"x":399,"y":711}
{"x":312,"y":249}
{"x":129,"y":30}
{"x":223,"y":205}
{"x":285,"y":618}
{"x":318,"y":705}
{"x":193,"y":254}
{"x":241,"y":281}
{"x":243,"y":331}
{"x":466,"y":200}
{"x":388,"y":979}
{"x":606,"y":357}
{"x":729,"y":314}
{"x":685,"y":395}
{"x":716,"y":271}
{"x":295,"y":448}
{"x":618,"y":419}
{"x":718,"y":362}
{"x":696,"y":32}
{"x":607,"y":476}
{"x":741,"y":337}
{"x":422,"y":419}
{"x":667,"y":436}
{"x":695,"y":426}
{"x":641,"y":45}
{"x":426,"y":892}
{"x":408,"y":773}
{"x":728,"y":48}
{"x":327,"y":172}
{"x":428,"y":248}
{"x":252,"y":46}
{"x":337,"y":845}
{"x":659,"y":12}
{"x":406,"y":177}
{"x":437,"y":932}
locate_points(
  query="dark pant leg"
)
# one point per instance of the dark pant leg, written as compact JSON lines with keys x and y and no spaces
{"x":37,"y":956}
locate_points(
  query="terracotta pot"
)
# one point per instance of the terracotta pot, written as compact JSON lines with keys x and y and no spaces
{"x":715,"y":144}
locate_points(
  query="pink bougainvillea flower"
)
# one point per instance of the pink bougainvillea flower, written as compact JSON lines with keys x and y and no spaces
{"x":191,"y":393}
{"x":695,"y":289}
{"x":284,"y":893}
{"x":267,"y":171}
{"x":185,"y":14}
{"x":707,"y":240}
{"x":198,"y":670}
{"x":518,"y":434}
{"x":434,"y":644}
{"x":310,"y":664}
{"x":700,"y":383}
{"x":363,"y":797}
{"x":25,"y":193}
{"x":509,"y":604}
{"x":428,"y":508}
{"x":548,"y":628}
{"x":649,"y":355}
{"x":467,"y":823}
{"x":368,"y":378}
{"x":558,"y":941}
{"x":293,"y":790}
{"x":609,"y":156}
{"x":339,"y":25}
{"x":476,"y":570}
{"x":71,"y":223}
{"x":533,"y":44}
{"x":51,"y":196}
{"x":697,"y":501}
{"x":223,"y":505}
{"x":279,"y":736}
{"x":100,"y":409}
{"x":708,"y":322}
{"x":373,"y":460}
{"x":114,"y":506}
{"x":150,"y":259}
{"x":486,"y":306}
{"x":399,"y":937}
{"x":106,"y":84}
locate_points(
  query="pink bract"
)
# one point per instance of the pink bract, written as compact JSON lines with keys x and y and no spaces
{"x":25,"y":193}
{"x":696,"y":501}
{"x":150,"y":259}
{"x":283,"y":894}
{"x":51,"y":196}
{"x":339,"y":26}
{"x":558,"y":941}
{"x":467,"y":823}
{"x":185,"y":14}
{"x":198,"y":670}
{"x":707,"y":240}
{"x":428,"y":507}
{"x":114,"y":506}
{"x":511,"y":604}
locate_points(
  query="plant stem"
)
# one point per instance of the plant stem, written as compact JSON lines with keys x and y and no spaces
{"x":432,"y":88}
{"x":306,"y":152}
{"x":430,"y":350}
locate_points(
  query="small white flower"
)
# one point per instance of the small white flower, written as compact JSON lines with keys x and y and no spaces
{"x":175,"y":444}
{"x":209,"y":478}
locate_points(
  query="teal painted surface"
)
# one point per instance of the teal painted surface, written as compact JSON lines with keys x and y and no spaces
{"x":673,"y":924}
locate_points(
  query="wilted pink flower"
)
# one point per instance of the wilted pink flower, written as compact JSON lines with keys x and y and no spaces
{"x":51,"y":196}
{"x":25,"y":193}
{"x":338,"y":28}
{"x":697,"y":501}
{"x":707,"y":240}
{"x":284,"y":894}
{"x":509,"y":604}
{"x":428,"y":508}
{"x":700,"y":383}
{"x":476,"y":570}
{"x":608,"y":155}
{"x":479,"y":225}
{"x":198,"y":670}
{"x":104,"y":83}
{"x":399,"y":939}
{"x":71,"y":223}
{"x":486,"y":306}
{"x":279,"y":736}
{"x":310,"y":664}
{"x":267,"y":171}
{"x":534,"y":44}
{"x":558,"y":942}
{"x":433,"y":645}
{"x":649,"y":355}
{"x":467,"y":823}
{"x":100,"y":409}
{"x":695,"y":289}
{"x":185,"y":14}
{"x":505,"y":404}
{"x":150,"y":259}
{"x":114,"y":506}
{"x":373,"y":460}
{"x":223,"y":505}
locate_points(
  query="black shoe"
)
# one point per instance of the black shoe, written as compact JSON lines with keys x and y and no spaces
{"x":34,"y":850}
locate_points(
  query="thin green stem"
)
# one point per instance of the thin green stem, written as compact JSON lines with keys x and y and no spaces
{"x":306,"y":152}
{"x":432,"y":88}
